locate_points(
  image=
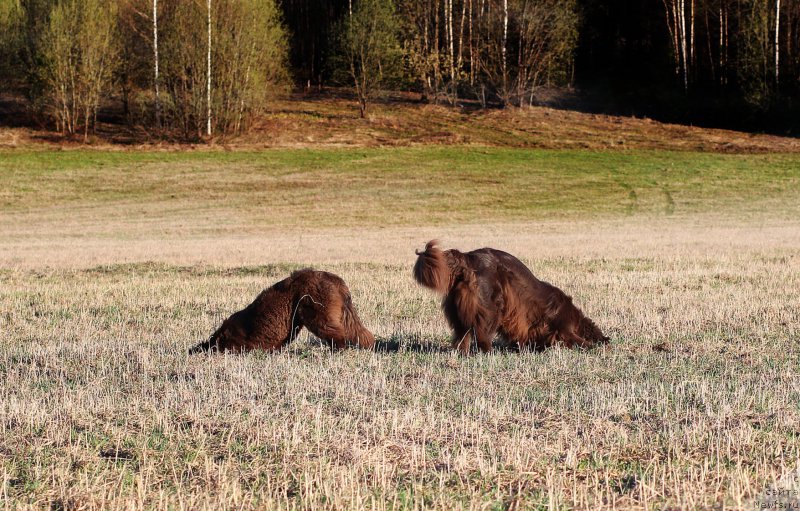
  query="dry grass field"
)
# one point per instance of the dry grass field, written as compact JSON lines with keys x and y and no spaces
{"x":113,"y":264}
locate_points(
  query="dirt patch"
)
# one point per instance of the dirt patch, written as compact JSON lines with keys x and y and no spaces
{"x":330,"y":119}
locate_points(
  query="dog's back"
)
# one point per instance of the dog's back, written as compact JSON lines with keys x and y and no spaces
{"x":318,"y":300}
{"x":559,"y":318}
{"x":503,"y":293}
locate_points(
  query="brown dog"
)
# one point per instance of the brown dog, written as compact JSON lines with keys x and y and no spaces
{"x":487,"y":291}
{"x":318,"y":300}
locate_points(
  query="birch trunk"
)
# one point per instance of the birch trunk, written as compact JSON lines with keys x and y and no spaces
{"x":671,"y":10}
{"x":436,"y":48}
{"x":723,"y":44}
{"x":155,"y":60}
{"x":461,"y":36}
{"x":505,"y":40}
{"x":208,"y":76}
{"x":709,"y":35}
{"x":692,"y":54}
{"x":450,"y":37}
{"x":426,"y":51}
{"x":471,"y":59}
{"x":777,"y":40}
{"x":682,"y":14}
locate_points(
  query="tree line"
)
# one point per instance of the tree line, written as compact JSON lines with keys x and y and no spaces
{"x":203,"y":67}
{"x":721,"y":62}
{"x":193,"y":68}
{"x":733,"y":62}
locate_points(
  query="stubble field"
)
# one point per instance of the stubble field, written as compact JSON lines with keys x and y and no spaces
{"x":112,"y":264}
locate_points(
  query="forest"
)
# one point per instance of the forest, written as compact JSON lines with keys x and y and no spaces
{"x":201,"y":68}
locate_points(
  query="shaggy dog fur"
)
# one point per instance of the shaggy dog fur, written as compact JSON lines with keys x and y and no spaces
{"x":317,"y":300}
{"x":487,"y":291}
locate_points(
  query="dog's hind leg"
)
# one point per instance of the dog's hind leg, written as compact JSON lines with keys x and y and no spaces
{"x":333,"y":334}
{"x":485,"y":329}
{"x":356,"y":332}
{"x":462,"y":340}
{"x":336,"y":323}
{"x":484,"y":340}
{"x":329,"y":330}
{"x":469,"y":318}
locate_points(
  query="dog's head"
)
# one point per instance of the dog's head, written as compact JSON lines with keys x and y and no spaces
{"x":590,"y":331}
{"x":210,"y":345}
{"x":228,"y":337}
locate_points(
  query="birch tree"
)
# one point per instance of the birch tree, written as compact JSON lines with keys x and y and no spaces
{"x":251,"y":67}
{"x":676,"y":23}
{"x":419,"y":46}
{"x":10,"y":40}
{"x":755,"y":51}
{"x":368,"y":51}
{"x":246,"y":67}
{"x":80,"y":54}
{"x":522,"y":44}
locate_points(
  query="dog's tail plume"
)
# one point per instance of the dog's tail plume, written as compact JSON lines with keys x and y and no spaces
{"x":431,"y":268}
{"x":355,"y":330}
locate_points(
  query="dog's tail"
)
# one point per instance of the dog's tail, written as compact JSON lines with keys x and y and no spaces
{"x":431,"y":268}
{"x":355,"y":331}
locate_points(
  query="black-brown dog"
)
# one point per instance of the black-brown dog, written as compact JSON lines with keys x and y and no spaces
{"x":489,"y":291}
{"x":317,"y":300}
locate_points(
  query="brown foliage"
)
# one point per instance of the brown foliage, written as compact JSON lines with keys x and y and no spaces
{"x":317,"y":300}
{"x":488,"y":291}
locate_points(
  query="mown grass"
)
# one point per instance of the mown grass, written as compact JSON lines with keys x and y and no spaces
{"x":694,"y":405}
{"x":401,"y":186}
{"x":112,"y":264}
